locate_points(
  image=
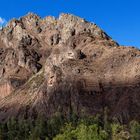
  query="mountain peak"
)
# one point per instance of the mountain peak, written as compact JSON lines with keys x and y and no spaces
{"x":50,"y":65}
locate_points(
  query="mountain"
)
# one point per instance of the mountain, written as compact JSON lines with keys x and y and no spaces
{"x":66,"y":65}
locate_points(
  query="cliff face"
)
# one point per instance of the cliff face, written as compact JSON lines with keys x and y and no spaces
{"x":66,"y":65}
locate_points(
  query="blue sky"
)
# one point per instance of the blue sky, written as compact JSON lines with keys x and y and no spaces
{"x":119,"y":18}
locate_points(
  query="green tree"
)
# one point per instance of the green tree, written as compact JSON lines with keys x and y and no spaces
{"x":91,"y":132}
{"x":106,"y":122}
{"x":39,"y":131}
{"x":3,"y":130}
{"x":12,"y":129}
{"x":67,"y":133}
{"x":23,"y":129}
{"x":54,"y":125}
{"x":119,"y":132}
{"x":135,"y":130}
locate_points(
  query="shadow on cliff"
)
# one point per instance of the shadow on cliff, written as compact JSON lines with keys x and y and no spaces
{"x":70,"y":97}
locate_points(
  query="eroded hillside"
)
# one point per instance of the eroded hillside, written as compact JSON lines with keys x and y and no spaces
{"x":66,"y":65}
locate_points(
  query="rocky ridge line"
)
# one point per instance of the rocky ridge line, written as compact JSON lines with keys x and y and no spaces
{"x":66,"y":65}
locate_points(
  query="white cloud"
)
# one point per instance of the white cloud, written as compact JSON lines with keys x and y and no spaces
{"x":2,"y":22}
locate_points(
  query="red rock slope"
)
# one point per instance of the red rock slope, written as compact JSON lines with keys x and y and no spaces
{"x":66,"y":65}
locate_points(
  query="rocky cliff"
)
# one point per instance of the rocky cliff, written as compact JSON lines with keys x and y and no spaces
{"x":66,"y":65}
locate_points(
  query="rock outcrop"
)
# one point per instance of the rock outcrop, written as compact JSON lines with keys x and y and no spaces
{"x":66,"y":65}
